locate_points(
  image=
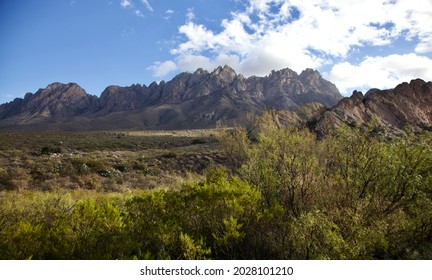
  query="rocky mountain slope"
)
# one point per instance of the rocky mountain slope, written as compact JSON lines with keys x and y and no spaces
{"x":189,"y":100}
{"x":408,"y":104}
{"x":55,"y":101}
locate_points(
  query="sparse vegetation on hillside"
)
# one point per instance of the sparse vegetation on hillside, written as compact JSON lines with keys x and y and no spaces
{"x":281,"y":194}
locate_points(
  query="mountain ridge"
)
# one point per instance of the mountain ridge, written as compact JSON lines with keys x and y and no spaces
{"x":203,"y":99}
{"x":408,"y":104}
{"x":198,"y":99}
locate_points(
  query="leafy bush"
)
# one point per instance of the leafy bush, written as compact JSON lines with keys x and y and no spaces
{"x":350,"y":195}
{"x":235,"y":144}
{"x":212,"y":215}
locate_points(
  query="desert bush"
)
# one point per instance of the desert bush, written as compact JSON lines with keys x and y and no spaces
{"x":210,"y":217}
{"x":121,"y":167}
{"x":4,"y":179}
{"x":235,"y":144}
{"x":46,"y":150}
{"x":349,"y":194}
{"x":56,"y":225}
{"x":16,"y":178}
{"x":169,"y":155}
{"x":198,"y":141}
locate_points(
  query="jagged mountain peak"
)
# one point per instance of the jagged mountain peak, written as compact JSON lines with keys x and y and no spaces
{"x":225,"y":69}
{"x":287,"y":72}
{"x":224,"y":75}
{"x":310,"y":71}
{"x":200,"y":71}
{"x":58,"y":87}
{"x":62,"y":85}
{"x":58,"y":92}
{"x":62,"y":88}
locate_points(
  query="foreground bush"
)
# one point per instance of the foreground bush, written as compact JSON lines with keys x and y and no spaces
{"x":206,"y":220}
{"x":351,"y":195}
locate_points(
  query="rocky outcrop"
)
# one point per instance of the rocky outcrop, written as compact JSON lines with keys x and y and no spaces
{"x":409,"y":104}
{"x":116,"y":98}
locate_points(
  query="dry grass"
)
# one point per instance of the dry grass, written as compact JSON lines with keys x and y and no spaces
{"x":105,"y":161}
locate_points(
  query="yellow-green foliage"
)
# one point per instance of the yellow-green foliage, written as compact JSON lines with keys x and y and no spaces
{"x":350,"y":195}
{"x":283,"y":195}
{"x":213,"y":215}
{"x":205,"y":220}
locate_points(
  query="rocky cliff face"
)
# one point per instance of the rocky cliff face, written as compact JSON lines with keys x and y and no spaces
{"x":196,"y":99}
{"x":115,"y":98}
{"x":408,"y":104}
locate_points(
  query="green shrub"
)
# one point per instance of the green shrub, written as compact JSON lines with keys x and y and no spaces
{"x":170,"y":154}
{"x":121,"y":168}
{"x":198,"y":141}
{"x":47,"y":150}
{"x":213,"y":214}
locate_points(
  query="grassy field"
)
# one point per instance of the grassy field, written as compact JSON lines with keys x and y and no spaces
{"x":105,"y":160}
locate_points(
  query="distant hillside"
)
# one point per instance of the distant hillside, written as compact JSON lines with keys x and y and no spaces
{"x":189,"y":100}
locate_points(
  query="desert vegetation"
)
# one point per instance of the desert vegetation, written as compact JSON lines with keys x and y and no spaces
{"x":269,"y":192}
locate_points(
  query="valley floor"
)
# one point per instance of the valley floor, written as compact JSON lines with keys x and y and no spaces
{"x":105,"y":161}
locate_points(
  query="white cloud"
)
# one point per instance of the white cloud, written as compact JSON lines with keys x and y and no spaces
{"x":168,"y":14}
{"x":274,"y":34}
{"x":189,"y":62}
{"x":424,"y":46}
{"x":161,"y":69}
{"x":147,"y":4}
{"x":129,"y":4}
{"x":380,"y":72}
{"x":125,"y":4}
{"x":139,"y":13}
{"x":190,"y":15}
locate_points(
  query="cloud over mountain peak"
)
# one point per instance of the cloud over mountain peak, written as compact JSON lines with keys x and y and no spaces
{"x":324,"y":34}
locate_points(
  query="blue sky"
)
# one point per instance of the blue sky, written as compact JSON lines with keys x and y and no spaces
{"x":356,"y":44}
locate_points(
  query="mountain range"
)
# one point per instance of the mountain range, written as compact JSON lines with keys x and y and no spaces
{"x":189,"y":100}
{"x":202,"y":99}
